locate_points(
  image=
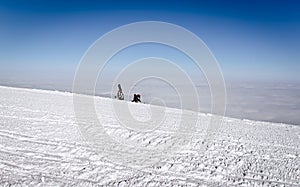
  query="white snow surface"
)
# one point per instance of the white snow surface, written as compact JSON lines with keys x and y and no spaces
{"x":41,"y":145}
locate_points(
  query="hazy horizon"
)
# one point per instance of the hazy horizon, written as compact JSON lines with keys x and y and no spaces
{"x":261,"y":101}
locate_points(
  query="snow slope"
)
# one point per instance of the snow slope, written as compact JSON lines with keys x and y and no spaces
{"x":41,"y":145}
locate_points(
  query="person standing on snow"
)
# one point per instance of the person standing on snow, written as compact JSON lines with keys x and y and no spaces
{"x":120,"y":94}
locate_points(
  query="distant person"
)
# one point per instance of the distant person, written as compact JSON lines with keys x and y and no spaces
{"x":136,"y":98}
{"x":120,"y":94}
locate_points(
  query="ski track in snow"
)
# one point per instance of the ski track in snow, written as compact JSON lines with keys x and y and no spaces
{"x":40,"y":145}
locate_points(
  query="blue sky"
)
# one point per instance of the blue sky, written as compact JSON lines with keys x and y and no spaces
{"x":250,"y":39}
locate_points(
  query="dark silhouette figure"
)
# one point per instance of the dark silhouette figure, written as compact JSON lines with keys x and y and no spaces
{"x":120,"y":94}
{"x":136,"y":98}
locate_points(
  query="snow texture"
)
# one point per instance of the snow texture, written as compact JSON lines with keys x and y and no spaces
{"x":41,"y":145}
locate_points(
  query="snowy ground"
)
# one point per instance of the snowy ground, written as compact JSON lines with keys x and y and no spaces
{"x":40,"y":145}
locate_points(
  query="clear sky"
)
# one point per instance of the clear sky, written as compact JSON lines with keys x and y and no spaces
{"x":250,"y":39}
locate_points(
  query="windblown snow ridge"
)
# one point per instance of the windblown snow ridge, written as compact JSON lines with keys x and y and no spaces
{"x":42,"y":146}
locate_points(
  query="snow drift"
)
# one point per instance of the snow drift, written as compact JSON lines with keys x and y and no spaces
{"x":41,"y":144}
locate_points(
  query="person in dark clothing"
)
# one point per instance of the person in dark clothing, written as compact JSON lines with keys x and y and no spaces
{"x":120,"y":94}
{"x":136,"y":98}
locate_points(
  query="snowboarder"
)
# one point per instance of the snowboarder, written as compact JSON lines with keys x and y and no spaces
{"x":136,"y":98}
{"x":120,"y":94}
